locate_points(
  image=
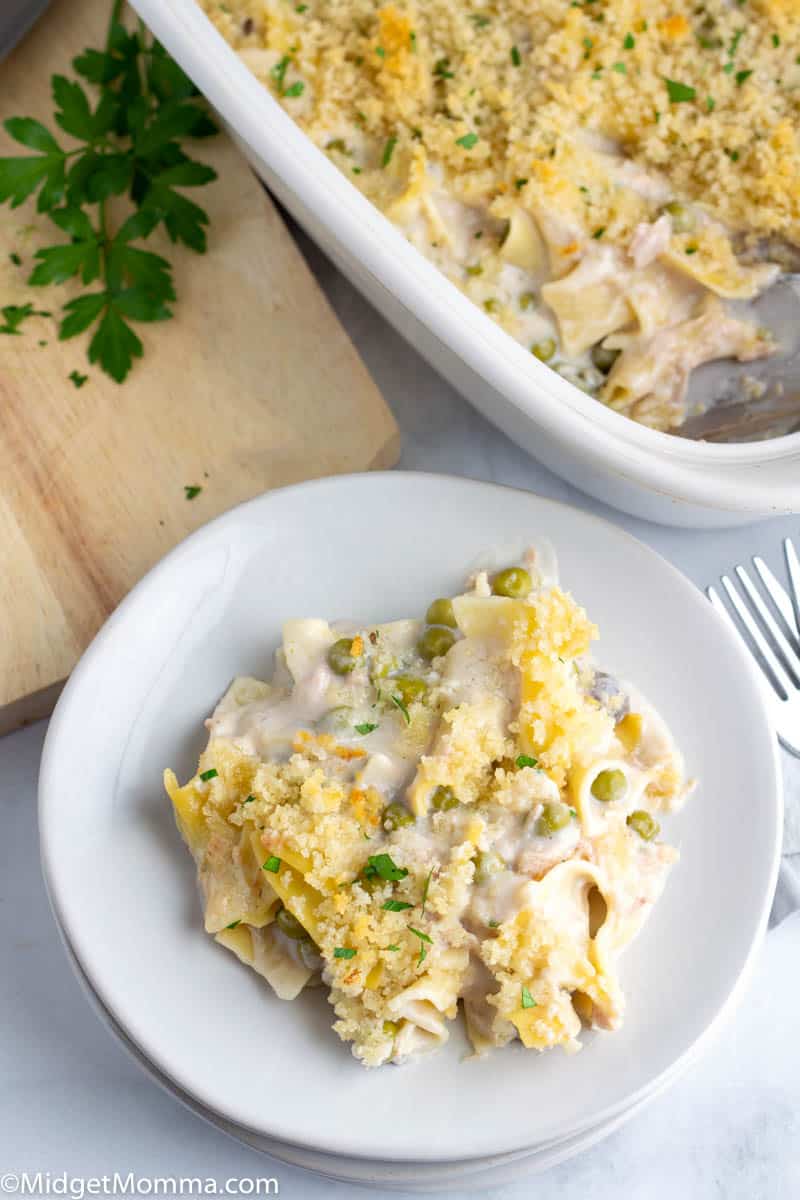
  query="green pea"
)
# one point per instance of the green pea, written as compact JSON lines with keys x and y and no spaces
{"x":487,"y":864}
{"x":544,"y":350}
{"x":554,"y":816}
{"x":337,"y":720}
{"x":435,"y":642}
{"x":340,"y":656}
{"x":441,"y":612}
{"x":604,"y":359}
{"x":645,"y":825}
{"x":682,"y":217}
{"x":609,"y":785}
{"x":408,"y":688}
{"x":289,"y":924}
{"x":443,"y":798}
{"x":395,"y":815}
{"x":514,"y":582}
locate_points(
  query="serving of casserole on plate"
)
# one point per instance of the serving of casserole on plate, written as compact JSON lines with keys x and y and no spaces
{"x":426,"y":812}
{"x":611,"y":181}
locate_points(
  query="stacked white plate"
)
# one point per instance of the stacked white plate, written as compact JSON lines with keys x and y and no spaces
{"x":273,"y":1074}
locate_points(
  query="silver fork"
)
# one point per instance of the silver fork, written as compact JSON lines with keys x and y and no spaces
{"x":774,"y":643}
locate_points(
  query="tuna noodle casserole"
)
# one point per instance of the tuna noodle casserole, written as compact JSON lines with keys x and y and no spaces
{"x":455,"y":809}
{"x":604,"y":177}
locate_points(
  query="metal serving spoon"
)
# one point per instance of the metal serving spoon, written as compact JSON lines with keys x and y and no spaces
{"x":718,"y":394}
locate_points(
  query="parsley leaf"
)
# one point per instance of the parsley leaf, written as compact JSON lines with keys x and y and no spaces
{"x":467,"y":141}
{"x":388,"y":151}
{"x":679,"y":92}
{"x":129,"y":108}
{"x":191,"y":490}
{"x":15,"y":314}
{"x":423,"y":939}
{"x":526,"y":760}
{"x":365,"y":728}
{"x":382,"y":866}
{"x":516,"y":57}
{"x":396,"y":906}
{"x":78,"y":379}
{"x":344,"y":952}
{"x":527,"y":999}
{"x":233,"y":924}
{"x":212,"y":773}
{"x":425,"y":892}
{"x":273,"y":864}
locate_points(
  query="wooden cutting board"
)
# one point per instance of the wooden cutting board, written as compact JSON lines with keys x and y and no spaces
{"x":253,"y":384}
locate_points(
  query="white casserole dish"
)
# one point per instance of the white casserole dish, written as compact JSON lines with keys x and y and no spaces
{"x":650,"y":474}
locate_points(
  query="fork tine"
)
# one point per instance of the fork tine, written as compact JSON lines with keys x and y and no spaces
{"x":789,"y":658}
{"x":793,"y":567}
{"x":777,"y":593}
{"x":768,"y":661}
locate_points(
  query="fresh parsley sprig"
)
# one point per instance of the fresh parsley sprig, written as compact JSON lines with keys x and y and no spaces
{"x":129,"y":145}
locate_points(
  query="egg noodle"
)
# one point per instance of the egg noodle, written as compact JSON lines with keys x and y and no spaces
{"x":461,"y":808}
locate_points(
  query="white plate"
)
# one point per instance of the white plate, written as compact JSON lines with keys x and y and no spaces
{"x":469,"y":1174}
{"x":378,"y":547}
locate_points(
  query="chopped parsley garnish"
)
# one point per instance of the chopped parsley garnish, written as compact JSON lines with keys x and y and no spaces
{"x":467,"y":141}
{"x":494,"y":924}
{"x":78,"y":379}
{"x":211,"y":773}
{"x":295,"y":89}
{"x":691,"y":249}
{"x":412,"y":37}
{"x":393,"y":948}
{"x":192,"y":490}
{"x":741,"y":76}
{"x":737,"y":37}
{"x":381,"y":865}
{"x":388,"y":151}
{"x":273,"y":864}
{"x":598,"y":233}
{"x":629,"y":42}
{"x":15,"y":258}
{"x":728,"y":68}
{"x":710,"y":103}
{"x":381,"y":53}
{"x":679,"y":92}
{"x":423,"y":939}
{"x":620,"y":68}
{"x":527,"y":999}
{"x":776,"y":41}
{"x":397,"y":701}
{"x":520,"y":183}
{"x":396,"y":906}
{"x":526,"y":760}
{"x":733,"y":155}
{"x":15,"y":314}
{"x":364,"y":728}
{"x":479,"y":20}
{"x":516,"y":57}
{"x":249,"y":800}
{"x":344,"y":952}
{"x":425,"y":891}
{"x":301,"y":8}
{"x":233,"y":924}
{"x":442,"y":69}
{"x":356,"y":170}
{"x":476,"y":269}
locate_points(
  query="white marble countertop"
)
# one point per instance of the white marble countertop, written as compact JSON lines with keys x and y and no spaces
{"x":74,"y":1102}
